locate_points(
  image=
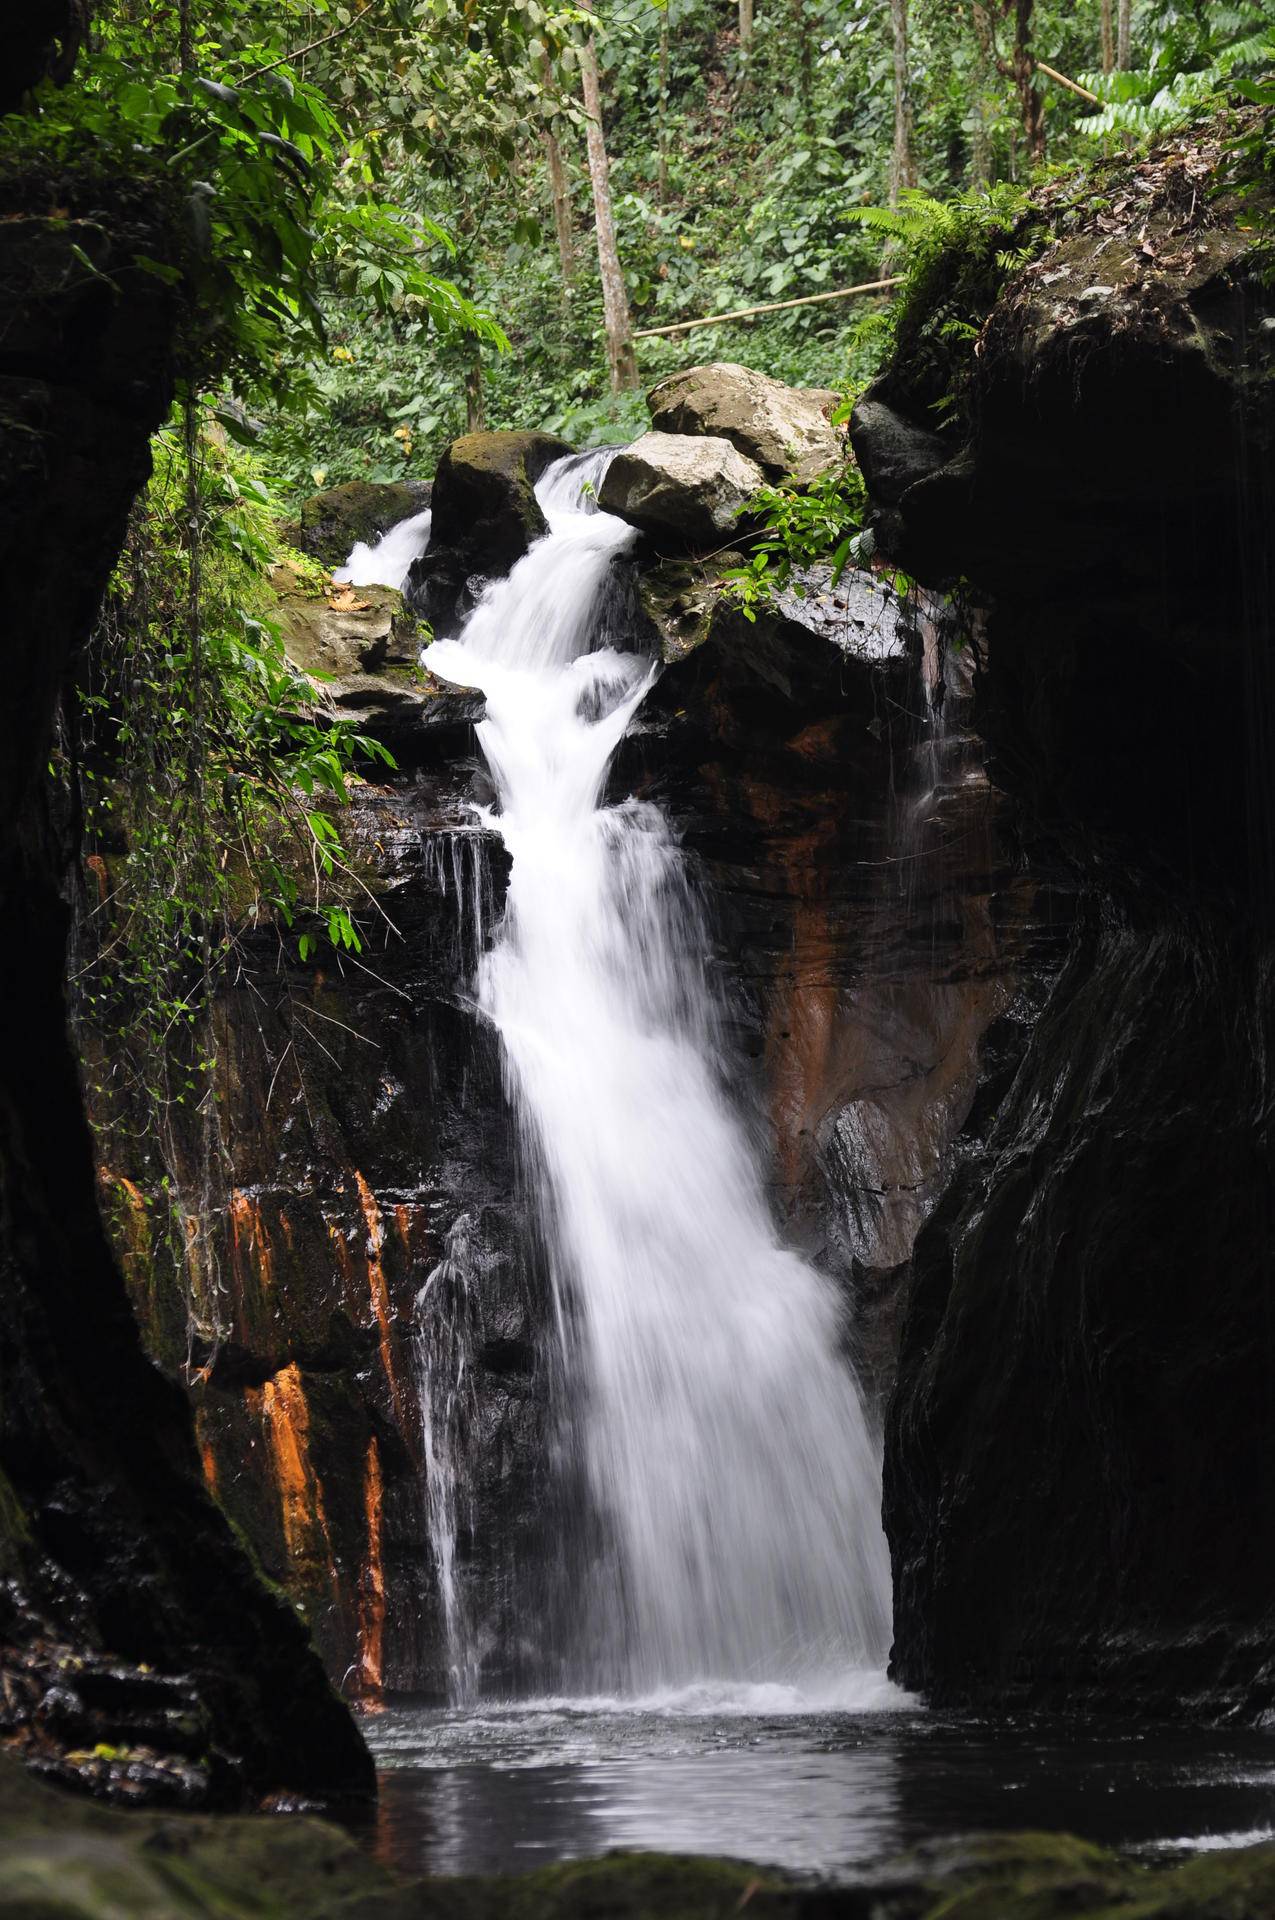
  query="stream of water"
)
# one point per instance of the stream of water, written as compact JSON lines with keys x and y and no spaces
{"x":503,"y":1789}
{"x":727,"y":1694}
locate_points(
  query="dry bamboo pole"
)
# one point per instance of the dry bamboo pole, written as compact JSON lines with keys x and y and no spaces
{"x":1063,"y":81}
{"x":771,"y":306}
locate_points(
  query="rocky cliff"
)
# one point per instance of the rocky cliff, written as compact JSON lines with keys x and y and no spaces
{"x":874,"y":930}
{"x":133,"y":1630}
{"x":1080,"y":1458}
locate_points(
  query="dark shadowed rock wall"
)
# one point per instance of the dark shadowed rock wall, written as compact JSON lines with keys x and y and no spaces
{"x":129,"y":1616}
{"x":1081,"y":1445}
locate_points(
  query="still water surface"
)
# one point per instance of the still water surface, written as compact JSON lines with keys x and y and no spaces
{"x":505,"y":1788}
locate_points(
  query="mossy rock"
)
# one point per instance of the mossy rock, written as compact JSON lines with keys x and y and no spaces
{"x":70,"y":1859}
{"x":486,"y":516}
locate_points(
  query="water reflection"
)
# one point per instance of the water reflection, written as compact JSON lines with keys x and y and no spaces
{"x":506,"y":1789}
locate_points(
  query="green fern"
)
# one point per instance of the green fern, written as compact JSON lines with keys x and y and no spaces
{"x":1194,"y":65}
{"x":955,"y":255}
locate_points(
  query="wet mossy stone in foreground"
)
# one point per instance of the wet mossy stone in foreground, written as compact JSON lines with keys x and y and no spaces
{"x":63,"y":1858}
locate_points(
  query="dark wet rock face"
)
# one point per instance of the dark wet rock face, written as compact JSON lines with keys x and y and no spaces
{"x":1080,"y":1456}
{"x":365,"y":1142}
{"x":870,"y":923}
{"x":127,"y":1608}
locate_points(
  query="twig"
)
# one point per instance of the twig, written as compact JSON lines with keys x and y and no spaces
{"x":771,"y":306}
{"x":290,"y":59}
{"x":1063,"y":81}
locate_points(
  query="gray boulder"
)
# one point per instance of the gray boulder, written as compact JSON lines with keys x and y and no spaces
{"x":787,"y":431}
{"x":893,"y":452}
{"x":685,"y":492}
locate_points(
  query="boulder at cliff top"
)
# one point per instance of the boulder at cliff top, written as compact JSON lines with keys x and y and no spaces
{"x":683,"y":491}
{"x":331,"y":523}
{"x":486,"y":515}
{"x":787,"y":431}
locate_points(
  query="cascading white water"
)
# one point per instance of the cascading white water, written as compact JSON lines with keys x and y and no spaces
{"x":386,"y":562}
{"x":724,"y":1438}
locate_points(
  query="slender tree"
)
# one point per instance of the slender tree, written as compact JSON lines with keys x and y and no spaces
{"x":661,"y":182}
{"x":902,"y":164}
{"x":1021,"y":69}
{"x":985,"y":57}
{"x":560,"y":194}
{"x":1108,"y":38}
{"x":621,"y":358}
{"x":475,"y":395}
{"x":745,"y":40}
{"x":805,"y":65}
{"x":1124,"y":36}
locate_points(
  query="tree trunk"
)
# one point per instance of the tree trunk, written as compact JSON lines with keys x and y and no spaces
{"x":1108,"y":39}
{"x":475,"y":396}
{"x":745,"y":41}
{"x":1022,"y":70}
{"x":661,"y":181}
{"x":805,"y":66}
{"x":981,"y":143}
{"x":615,"y":301}
{"x":902,"y":165}
{"x":561,"y":197}
{"x":1124,"y":36}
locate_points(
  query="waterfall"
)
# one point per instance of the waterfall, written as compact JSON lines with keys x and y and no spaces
{"x":721,"y":1429}
{"x":386,"y":562}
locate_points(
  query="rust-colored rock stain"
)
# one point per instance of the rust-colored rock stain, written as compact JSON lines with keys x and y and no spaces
{"x":281,"y":1403}
{"x":380,"y":1294}
{"x":371,"y":1664}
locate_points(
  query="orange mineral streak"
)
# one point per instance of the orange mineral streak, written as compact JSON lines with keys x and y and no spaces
{"x":253,"y":1253}
{"x":372,"y":1580}
{"x":380,"y":1294}
{"x":287,"y":1421}
{"x":207,"y":1452}
{"x":131,"y":1235}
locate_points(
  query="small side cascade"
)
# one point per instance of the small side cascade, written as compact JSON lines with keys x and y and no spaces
{"x":457,"y":863}
{"x":448,"y":1329}
{"x":387,"y":561}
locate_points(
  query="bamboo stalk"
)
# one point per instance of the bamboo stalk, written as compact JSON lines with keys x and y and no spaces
{"x":1063,"y":81}
{"x":771,"y":306}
